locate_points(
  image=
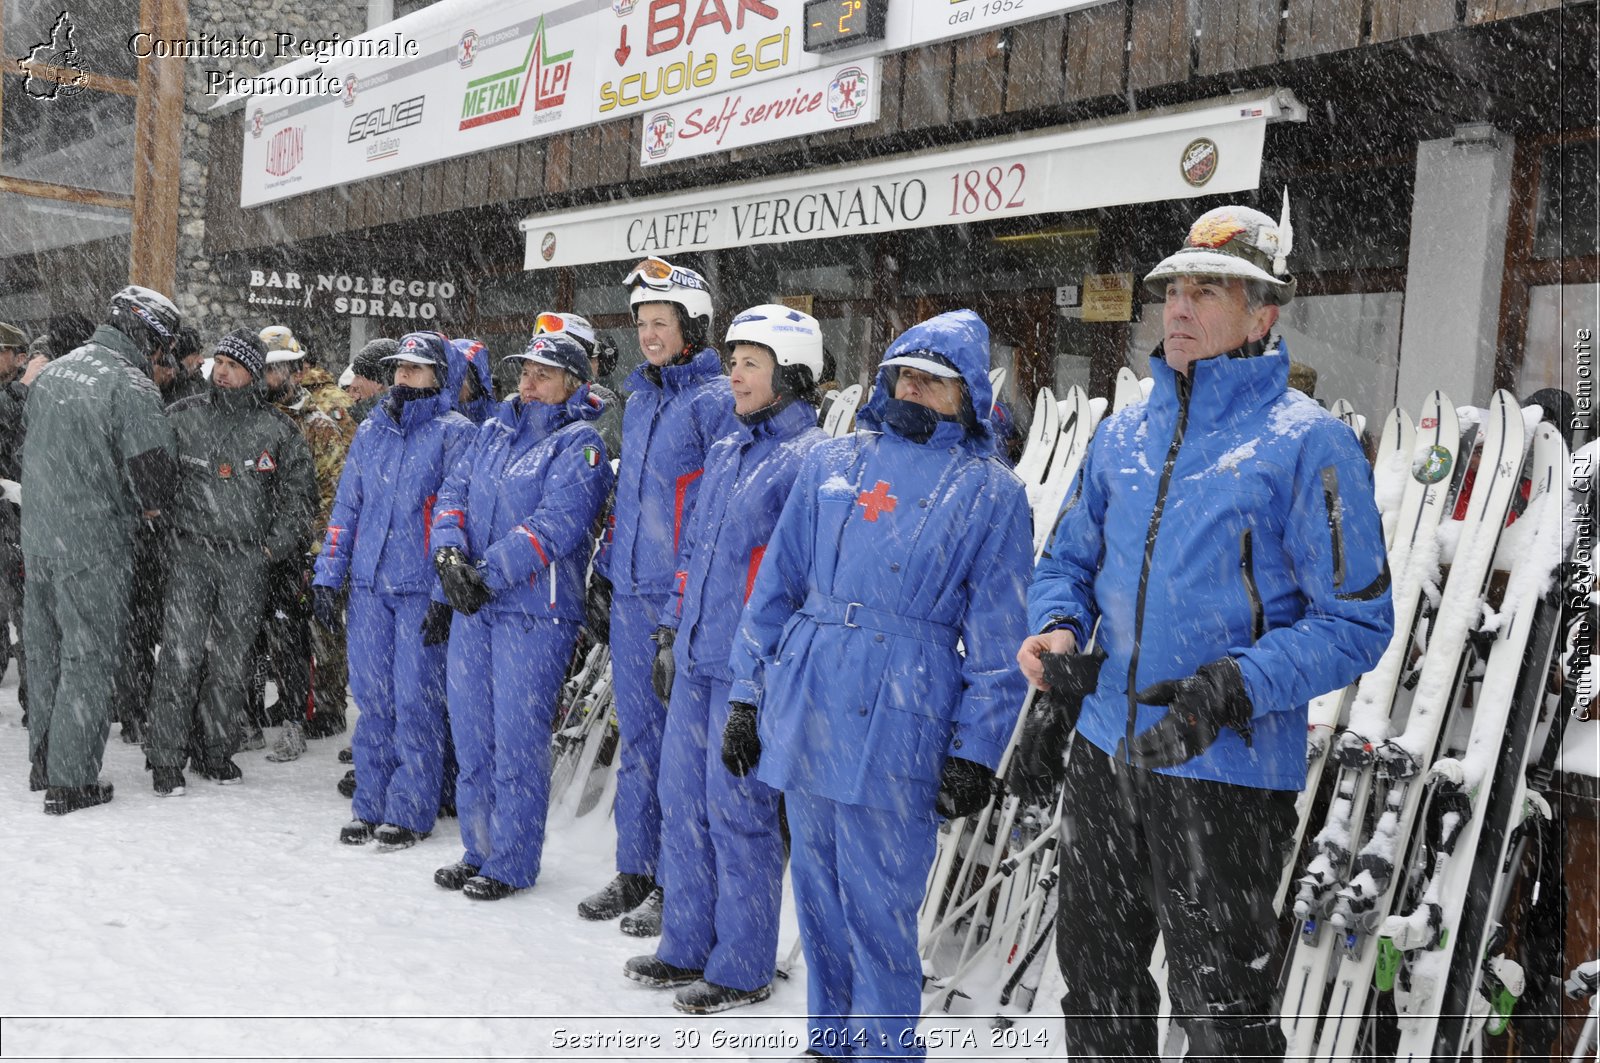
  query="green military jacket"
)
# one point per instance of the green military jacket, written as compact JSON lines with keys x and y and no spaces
{"x":88,"y":413}
{"x":244,"y":473}
{"x":323,"y":413}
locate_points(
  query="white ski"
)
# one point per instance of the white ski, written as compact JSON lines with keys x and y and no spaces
{"x":1127,"y":391}
{"x":841,"y":415}
{"x":1077,"y":425}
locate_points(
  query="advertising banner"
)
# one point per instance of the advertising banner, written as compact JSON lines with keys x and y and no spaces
{"x":1199,"y":150}
{"x":813,"y":102}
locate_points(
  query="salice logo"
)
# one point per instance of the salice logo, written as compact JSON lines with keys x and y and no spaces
{"x":496,"y":97}
{"x":52,"y":66}
{"x":847,"y":93}
{"x":467,"y":49}
{"x":389,"y":119}
{"x":660,"y":132}
{"x":286,"y":150}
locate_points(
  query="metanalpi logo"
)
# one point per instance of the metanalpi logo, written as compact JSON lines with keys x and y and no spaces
{"x":495,"y":97}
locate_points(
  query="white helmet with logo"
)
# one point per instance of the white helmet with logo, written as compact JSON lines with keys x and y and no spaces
{"x":1233,"y":242}
{"x":794,"y":338}
{"x":655,"y":280}
{"x":281,"y":345}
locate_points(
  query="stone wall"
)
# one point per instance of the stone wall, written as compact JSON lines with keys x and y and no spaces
{"x":210,"y":293}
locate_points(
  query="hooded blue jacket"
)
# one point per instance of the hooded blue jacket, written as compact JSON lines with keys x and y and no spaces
{"x":747,"y":480}
{"x":476,"y":357}
{"x":666,"y":431}
{"x":381,"y":525}
{"x":887,"y":553}
{"x":522,"y":498}
{"x":1227,"y":517}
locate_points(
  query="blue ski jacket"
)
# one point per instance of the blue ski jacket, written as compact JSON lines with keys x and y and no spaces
{"x":667,"y":429}
{"x":521,"y":500}
{"x":1232,"y":517}
{"x":476,"y":357}
{"x":748,"y":478}
{"x":379,"y":531}
{"x":887,"y":555}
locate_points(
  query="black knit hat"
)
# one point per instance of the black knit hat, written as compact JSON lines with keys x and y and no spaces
{"x":244,"y":347}
{"x":369,"y":362}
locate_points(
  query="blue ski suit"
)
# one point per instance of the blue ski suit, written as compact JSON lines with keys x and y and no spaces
{"x":476,"y":355}
{"x":721,"y":852}
{"x":667,"y":428}
{"x":1224,"y":516}
{"x":378,"y":539}
{"x":520,"y":503}
{"x":887,"y":554}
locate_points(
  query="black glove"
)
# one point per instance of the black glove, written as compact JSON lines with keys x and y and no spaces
{"x":462,"y":583}
{"x":663,"y":669}
{"x":741,"y":745}
{"x":1037,"y":764}
{"x":597,"y":608}
{"x":1201,"y":706}
{"x":964,"y":788}
{"x":436,"y":625}
{"x":327,"y":608}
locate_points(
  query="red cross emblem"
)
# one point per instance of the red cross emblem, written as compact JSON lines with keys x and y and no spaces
{"x":876,"y":501}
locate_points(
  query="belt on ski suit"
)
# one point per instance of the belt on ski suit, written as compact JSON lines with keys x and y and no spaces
{"x":825,"y":609}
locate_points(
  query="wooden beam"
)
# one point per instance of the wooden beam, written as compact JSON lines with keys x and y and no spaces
{"x":158,"y":152}
{"x":62,"y":75}
{"x":65,"y":193}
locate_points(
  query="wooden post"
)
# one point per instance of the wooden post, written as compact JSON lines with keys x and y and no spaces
{"x":158,"y":152}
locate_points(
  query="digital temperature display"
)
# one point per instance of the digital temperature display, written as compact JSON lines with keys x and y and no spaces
{"x":831,"y":24}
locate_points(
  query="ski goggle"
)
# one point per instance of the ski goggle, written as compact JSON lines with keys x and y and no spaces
{"x":659,"y":275}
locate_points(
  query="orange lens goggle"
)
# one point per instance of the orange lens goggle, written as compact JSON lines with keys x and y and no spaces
{"x":548,"y":322}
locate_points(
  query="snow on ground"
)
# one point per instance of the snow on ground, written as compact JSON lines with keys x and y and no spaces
{"x":230,"y":922}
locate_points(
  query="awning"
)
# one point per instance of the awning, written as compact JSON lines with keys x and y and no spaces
{"x":1193,"y":150}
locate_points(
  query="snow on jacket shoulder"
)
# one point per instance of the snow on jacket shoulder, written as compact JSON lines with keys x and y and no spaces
{"x":1230,"y":517}
{"x":748,"y":477}
{"x":888,"y":554}
{"x":379,"y":534}
{"x":521,"y":500}
{"x":667,"y":429}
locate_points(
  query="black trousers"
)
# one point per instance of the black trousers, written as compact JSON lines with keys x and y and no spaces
{"x":1194,"y":862}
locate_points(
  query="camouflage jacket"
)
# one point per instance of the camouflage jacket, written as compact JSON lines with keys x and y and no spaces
{"x":322,"y":410}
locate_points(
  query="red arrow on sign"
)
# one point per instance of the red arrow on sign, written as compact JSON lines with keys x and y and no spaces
{"x":623,"y":51}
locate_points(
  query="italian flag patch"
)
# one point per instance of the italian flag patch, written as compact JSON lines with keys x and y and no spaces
{"x":591,"y":455}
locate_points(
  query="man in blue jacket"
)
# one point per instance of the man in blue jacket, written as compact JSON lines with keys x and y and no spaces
{"x":678,"y":405}
{"x":873,"y":678}
{"x":1222,"y":547}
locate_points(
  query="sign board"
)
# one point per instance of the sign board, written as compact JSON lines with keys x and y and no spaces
{"x":1108,"y":297}
{"x":464,"y":77}
{"x":813,"y":102}
{"x":1066,"y":295}
{"x":351,"y":294}
{"x":1134,"y":160}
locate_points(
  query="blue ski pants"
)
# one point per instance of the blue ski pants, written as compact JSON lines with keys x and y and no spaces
{"x":398,"y":684}
{"x":859,"y":875}
{"x":505,"y":673}
{"x":721,"y":852}
{"x":640,"y":719}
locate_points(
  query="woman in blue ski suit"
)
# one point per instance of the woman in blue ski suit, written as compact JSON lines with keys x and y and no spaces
{"x":511,"y":541}
{"x":378,"y":540}
{"x":678,"y":405}
{"x":895,"y":544}
{"x":721,"y":851}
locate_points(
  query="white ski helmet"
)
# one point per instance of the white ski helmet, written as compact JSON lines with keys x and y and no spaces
{"x":1233,"y":242}
{"x":655,"y":280}
{"x":281,"y":345}
{"x":151,"y":309}
{"x":794,"y":338}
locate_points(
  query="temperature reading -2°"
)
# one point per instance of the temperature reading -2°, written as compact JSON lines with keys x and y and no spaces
{"x":831,"y":24}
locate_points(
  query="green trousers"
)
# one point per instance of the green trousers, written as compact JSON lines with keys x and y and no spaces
{"x":74,"y":617}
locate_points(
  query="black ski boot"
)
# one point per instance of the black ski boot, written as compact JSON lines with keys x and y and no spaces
{"x":356,"y":832}
{"x":645,"y":920}
{"x":59,"y":800}
{"x":455,"y":876}
{"x":347,"y":756}
{"x":222,"y":771}
{"x":169,"y":782}
{"x":347,"y":785}
{"x":621,"y":894}
{"x":708,"y":998}
{"x":392,"y":838}
{"x":658,"y":973}
{"x":484,"y":888}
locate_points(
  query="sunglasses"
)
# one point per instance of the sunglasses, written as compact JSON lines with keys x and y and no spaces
{"x":659,"y":275}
